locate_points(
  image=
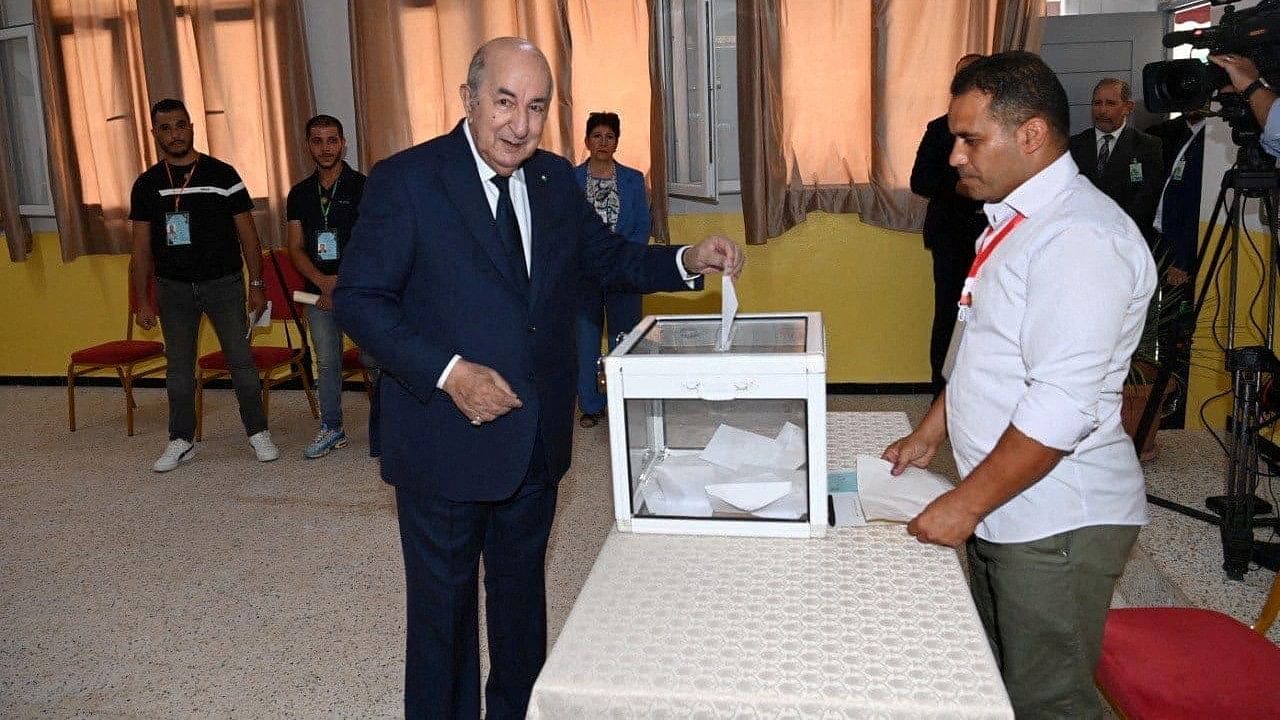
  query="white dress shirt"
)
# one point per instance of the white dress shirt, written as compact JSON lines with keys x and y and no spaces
{"x":1057,"y":312}
{"x":1098,"y":135}
{"x":520,"y":201}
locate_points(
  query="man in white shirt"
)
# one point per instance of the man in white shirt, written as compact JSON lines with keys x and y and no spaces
{"x":1051,"y":484}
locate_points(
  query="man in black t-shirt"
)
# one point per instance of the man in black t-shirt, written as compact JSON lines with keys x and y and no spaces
{"x":321,"y":211}
{"x":192,"y":227}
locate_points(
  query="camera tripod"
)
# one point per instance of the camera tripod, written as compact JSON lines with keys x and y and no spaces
{"x":1234,"y":512}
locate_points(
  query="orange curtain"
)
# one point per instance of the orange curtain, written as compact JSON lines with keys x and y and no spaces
{"x":410,"y":57}
{"x":835,"y":95}
{"x":239,"y":65}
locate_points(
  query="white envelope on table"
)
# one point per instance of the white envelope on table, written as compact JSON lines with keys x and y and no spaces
{"x":897,"y":499}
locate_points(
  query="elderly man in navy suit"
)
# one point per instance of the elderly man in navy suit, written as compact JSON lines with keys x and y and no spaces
{"x":466,"y":264}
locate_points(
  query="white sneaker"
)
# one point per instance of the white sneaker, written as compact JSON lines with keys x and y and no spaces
{"x":263,"y":447}
{"x":178,"y":452}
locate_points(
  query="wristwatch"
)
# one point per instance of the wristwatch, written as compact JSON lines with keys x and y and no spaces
{"x":259,"y":284}
{"x":1253,"y":87}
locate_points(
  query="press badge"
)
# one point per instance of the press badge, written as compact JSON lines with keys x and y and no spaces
{"x":326,"y":245}
{"x":1135,"y":172}
{"x":177,"y":228}
{"x":1178,"y":168}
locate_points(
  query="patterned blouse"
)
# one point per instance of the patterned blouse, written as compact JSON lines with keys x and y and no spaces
{"x":603,"y":195}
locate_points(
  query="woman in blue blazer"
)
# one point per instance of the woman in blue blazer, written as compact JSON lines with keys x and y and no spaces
{"x":617,"y":193}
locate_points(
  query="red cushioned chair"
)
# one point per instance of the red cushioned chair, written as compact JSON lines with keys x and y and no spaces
{"x":1175,"y":663}
{"x":275,"y":364}
{"x":353,"y":367}
{"x":123,"y":356}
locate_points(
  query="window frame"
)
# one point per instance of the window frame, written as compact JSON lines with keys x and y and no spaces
{"x":677,"y":132}
{"x":28,"y":32}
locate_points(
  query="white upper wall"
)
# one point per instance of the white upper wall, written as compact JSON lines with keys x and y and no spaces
{"x":329,"y":51}
{"x":1093,"y":7}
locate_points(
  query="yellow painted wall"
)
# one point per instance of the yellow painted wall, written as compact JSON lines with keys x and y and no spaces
{"x":49,"y":308}
{"x":873,"y":287}
{"x":1208,"y":376}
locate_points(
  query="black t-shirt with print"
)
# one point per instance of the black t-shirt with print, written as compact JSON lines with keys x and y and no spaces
{"x":205,"y":245}
{"x":305,"y":205}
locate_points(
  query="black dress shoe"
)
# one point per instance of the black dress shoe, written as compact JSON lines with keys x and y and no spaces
{"x":589,"y":420}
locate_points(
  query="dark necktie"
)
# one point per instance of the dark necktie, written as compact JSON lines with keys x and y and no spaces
{"x":509,"y":228}
{"x":1104,"y":154}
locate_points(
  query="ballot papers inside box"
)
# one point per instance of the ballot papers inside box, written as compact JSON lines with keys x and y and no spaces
{"x":717,"y":441}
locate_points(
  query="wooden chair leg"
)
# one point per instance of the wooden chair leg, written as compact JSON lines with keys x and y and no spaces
{"x":368,"y":385}
{"x":126,"y":379}
{"x":306,"y":388}
{"x":71,"y":395}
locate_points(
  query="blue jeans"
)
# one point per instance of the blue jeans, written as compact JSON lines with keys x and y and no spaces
{"x":326,"y":343}
{"x":622,"y":311}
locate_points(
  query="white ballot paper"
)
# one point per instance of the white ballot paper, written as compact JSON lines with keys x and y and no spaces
{"x":897,"y":499}
{"x":263,"y":320}
{"x":305,"y":297}
{"x":728,"y":310}
{"x":733,"y":448}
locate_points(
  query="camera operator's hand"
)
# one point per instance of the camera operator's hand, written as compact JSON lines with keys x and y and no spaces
{"x":1243,"y":73}
{"x":1241,"y":70}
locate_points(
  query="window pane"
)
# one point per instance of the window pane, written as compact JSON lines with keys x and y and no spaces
{"x":16,"y":12}
{"x":23,"y":106}
{"x":726,"y":54}
{"x":687,"y":78}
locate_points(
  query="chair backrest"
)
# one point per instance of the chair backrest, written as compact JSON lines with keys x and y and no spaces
{"x":1269,"y":609}
{"x":274,"y":265}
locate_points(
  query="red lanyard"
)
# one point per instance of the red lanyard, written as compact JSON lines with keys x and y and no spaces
{"x":988,"y":246}
{"x":177,"y":198}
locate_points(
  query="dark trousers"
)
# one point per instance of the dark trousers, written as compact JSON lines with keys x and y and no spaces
{"x":443,"y":542}
{"x":951,"y":260}
{"x":180,"y":306}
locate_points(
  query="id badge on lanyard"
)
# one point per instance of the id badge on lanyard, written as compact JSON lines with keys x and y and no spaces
{"x":177,"y":224}
{"x":177,"y":228}
{"x":965,"y":311}
{"x":326,"y":244}
{"x":327,"y":239}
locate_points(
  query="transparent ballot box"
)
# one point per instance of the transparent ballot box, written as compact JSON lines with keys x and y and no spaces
{"x":720,"y":441}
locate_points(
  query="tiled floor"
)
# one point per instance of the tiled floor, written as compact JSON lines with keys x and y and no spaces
{"x":234,"y":588}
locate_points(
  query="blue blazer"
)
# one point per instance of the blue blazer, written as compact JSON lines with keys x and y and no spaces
{"x":426,"y":277}
{"x":633,"y":210}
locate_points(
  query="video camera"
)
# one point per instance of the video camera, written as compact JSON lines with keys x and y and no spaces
{"x":1186,"y":85}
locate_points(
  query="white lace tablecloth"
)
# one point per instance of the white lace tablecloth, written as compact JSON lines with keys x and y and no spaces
{"x":865,"y":622}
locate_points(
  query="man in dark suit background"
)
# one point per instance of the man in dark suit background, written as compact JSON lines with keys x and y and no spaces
{"x":1122,"y":161}
{"x":463,"y":279}
{"x":952,"y":223}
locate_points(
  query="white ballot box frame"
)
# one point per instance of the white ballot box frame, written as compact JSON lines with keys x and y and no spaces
{"x":720,"y":376}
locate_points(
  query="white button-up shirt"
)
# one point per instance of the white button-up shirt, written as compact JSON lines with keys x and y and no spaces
{"x":1098,"y":135}
{"x":1058,"y":310}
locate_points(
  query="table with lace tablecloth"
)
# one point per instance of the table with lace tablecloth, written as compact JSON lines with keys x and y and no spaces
{"x":865,"y":622}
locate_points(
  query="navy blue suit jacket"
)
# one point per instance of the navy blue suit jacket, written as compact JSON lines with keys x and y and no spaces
{"x":426,"y":277}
